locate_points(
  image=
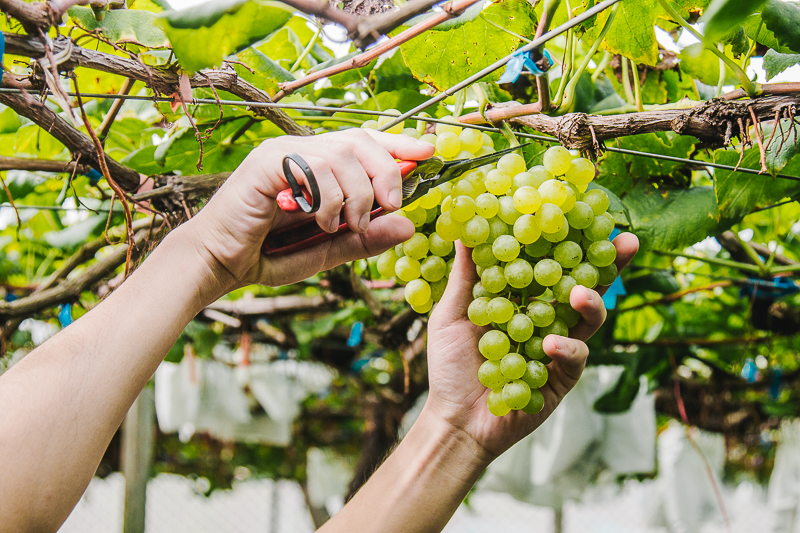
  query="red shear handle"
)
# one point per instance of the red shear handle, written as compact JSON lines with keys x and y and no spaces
{"x":287,"y":203}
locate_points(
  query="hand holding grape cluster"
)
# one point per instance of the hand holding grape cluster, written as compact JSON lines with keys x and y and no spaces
{"x":535,"y":234}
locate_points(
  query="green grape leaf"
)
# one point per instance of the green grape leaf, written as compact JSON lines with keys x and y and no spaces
{"x":620,"y":397}
{"x":775,"y":62}
{"x":738,"y":194}
{"x":783,"y":146}
{"x":667,"y":218}
{"x":202,"y":36}
{"x":783,"y":20}
{"x":76,"y":234}
{"x":757,"y":31}
{"x":700,"y":63}
{"x":175,"y":354}
{"x":393,"y":74}
{"x":656,"y":281}
{"x":9,"y":120}
{"x":444,"y":58}
{"x":343,"y":79}
{"x":722,"y":16}
{"x":123,"y":26}
{"x":268,"y":74}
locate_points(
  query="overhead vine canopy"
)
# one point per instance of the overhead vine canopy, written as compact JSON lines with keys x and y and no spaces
{"x":118,"y":120}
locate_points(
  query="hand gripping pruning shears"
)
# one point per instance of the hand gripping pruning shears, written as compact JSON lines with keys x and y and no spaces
{"x":418,"y":178}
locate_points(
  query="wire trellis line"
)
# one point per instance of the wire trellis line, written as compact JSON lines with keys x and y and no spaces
{"x":334,"y":109}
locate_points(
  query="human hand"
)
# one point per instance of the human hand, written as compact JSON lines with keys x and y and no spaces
{"x":456,"y":395}
{"x":354,"y":165}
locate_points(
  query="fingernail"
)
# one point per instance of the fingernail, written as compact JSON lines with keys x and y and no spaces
{"x":589,"y":294}
{"x":363,"y":224}
{"x":396,"y":198}
{"x":334,"y":224}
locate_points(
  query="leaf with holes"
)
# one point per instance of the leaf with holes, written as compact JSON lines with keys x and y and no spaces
{"x":783,"y":20}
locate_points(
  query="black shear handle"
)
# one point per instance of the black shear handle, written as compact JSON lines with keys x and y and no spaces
{"x":299,"y":197}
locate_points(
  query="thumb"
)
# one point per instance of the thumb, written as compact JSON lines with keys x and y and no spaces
{"x":458,"y":294}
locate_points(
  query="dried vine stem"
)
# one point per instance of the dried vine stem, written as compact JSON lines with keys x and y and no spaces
{"x":160,"y":80}
{"x":40,"y":165}
{"x":449,"y":10}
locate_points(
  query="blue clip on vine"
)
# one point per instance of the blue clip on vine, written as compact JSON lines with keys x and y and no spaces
{"x":65,"y":315}
{"x":94,"y":176}
{"x":777,"y":287}
{"x":523,"y":60}
{"x":2,"y":51}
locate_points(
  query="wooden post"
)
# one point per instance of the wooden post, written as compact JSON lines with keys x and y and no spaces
{"x":137,"y":456}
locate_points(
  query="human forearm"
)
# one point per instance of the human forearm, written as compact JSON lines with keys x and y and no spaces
{"x":63,"y":402}
{"x":420,"y":485}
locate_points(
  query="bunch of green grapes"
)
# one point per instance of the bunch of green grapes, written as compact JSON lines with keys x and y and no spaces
{"x":535,"y":233}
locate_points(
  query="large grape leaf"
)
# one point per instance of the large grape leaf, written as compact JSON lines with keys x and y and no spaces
{"x":123,"y":26}
{"x":783,"y":20}
{"x":393,"y":74}
{"x":738,"y":193}
{"x":776,"y":62}
{"x":443,"y":58}
{"x":782,"y":147}
{"x":203,"y":35}
{"x":703,"y":64}
{"x":268,"y":74}
{"x":758,"y":32}
{"x":343,"y":79}
{"x":722,"y":16}
{"x":666,"y":218}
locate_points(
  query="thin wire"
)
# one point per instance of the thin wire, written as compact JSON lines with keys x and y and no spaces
{"x":490,"y":129}
{"x":772,"y":206}
{"x":55,"y":208}
{"x":741,"y":281}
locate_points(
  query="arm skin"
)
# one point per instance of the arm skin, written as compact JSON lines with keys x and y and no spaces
{"x":63,"y":402}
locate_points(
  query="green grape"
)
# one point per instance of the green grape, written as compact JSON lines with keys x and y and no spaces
{"x":574,"y":188}
{"x":475,"y":231}
{"x":500,"y":310}
{"x":495,"y":404}
{"x":520,"y":328}
{"x":523,"y":179}
{"x":512,"y":164}
{"x":535,"y":374}
{"x":505,"y":248}
{"x":580,"y":216}
{"x":399,"y":250}
{"x":489,"y":373}
{"x":557,"y":160}
{"x":580,"y":172}
{"x":534,"y":349}
{"x":478,"y":311}
{"x":553,"y":192}
{"x":516,"y":394}
{"x":417,"y":292}
{"x":568,"y":254}
{"x":464,"y":188}
{"x":586,"y":274}
{"x":464,"y":154}
{"x":428,"y":138}
{"x":463,"y":208}
{"x":535,"y":404}
{"x":447,"y":203}
{"x":558,"y":236}
{"x":386,"y":263}
{"x":574,"y":235}
{"x":416,"y":247}
{"x":498,"y":182}
{"x":431,"y":199}
{"x":448,"y":144}
{"x":410,"y":132}
{"x":527,"y":200}
{"x":479,"y":292}
{"x":496,"y":228}
{"x":526,"y":231}
{"x":446,"y":188}
{"x":607,"y":274}
{"x":493,"y":279}
{"x":538,"y":248}
{"x":609,"y":216}
{"x":470,"y":139}
{"x":439,"y":246}
{"x":571,"y":198}
{"x":483,"y":256}
{"x":450,"y":266}
{"x":424,"y":308}
{"x":447,"y":228}
{"x":437,"y":289}
{"x":570,"y":316}
{"x":600,"y":229}
{"x":549,"y":218}
{"x":485,"y":150}
{"x":518,"y":273}
{"x":513,"y":366}
{"x":563,"y":288}
{"x":540,"y":175}
{"x":479,"y":270}
{"x":597,"y":200}
{"x":541,"y":313}
{"x":558,"y":327}
{"x":487,"y":141}
{"x":508,"y":212}
{"x":417,"y":216}
{"x":382,"y":121}
{"x":433,"y":268}
{"x":547,"y":272}
{"x":494,"y":345}
{"x":535,"y":290}
{"x":449,"y":124}
{"x":407,"y":269}
{"x":500,"y":326}
{"x":432,"y":214}
{"x":370,"y":125}
{"x":601,"y":253}
{"x":487,"y":205}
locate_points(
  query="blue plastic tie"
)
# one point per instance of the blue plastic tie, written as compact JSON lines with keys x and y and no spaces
{"x":520,"y":61}
{"x":775,"y":288}
{"x":94,"y":176}
{"x":10,"y":297}
{"x":775,"y":386}
{"x":750,"y":371}
{"x":2,"y":50}
{"x":65,"y":315}
{"x":355,"y":334}
{"x":616,"y":289}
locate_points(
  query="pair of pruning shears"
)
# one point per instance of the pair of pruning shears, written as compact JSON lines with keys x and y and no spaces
{"x":418,"y":178}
